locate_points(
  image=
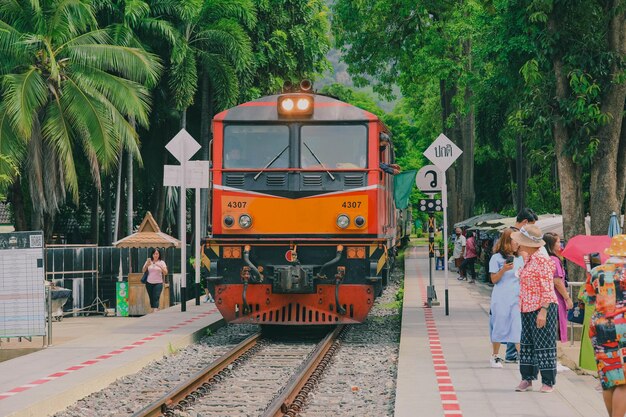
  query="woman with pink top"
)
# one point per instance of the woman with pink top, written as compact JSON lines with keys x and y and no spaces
{"x":157,"y":269}
{"x":470,"y":258}
{"x":553,"y":247}
{"x":538,"y":305}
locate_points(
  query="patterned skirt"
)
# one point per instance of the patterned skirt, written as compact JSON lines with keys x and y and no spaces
{"x":608,"y":336}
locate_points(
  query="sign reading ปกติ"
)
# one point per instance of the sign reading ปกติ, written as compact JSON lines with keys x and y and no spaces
{"x":442,"y":152}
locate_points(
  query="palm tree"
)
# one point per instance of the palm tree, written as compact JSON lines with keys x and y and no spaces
{"x":65,"y":86}
{"x":214,"y":42}
{"x":135,"y":23}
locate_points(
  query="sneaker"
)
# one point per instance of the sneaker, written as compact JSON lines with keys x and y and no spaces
{"x":472,"y":281}
{"x":496,"y":362}
{"x":524,"y":386}
{"x":546,"y":389}
{"x":510,"y":360}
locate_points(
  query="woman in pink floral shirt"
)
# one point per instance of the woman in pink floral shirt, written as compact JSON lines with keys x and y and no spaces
{"x":538,"y":304}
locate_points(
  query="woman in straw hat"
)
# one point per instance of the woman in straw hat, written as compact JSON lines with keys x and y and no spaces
{"x":538,"y":305}
{"x":606,"y":288}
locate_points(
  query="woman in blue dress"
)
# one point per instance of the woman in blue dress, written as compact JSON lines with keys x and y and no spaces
{"x":505,"y":321}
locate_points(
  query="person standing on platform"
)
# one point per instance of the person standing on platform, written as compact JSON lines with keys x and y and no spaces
{"x":157,"y":270}
{"x":459,"y":251}
{"x":538,"y":304}
{"x":553,"y":247}
{"x":524,"y":217}
{"x":505,"y":320}
{"x":606,"y":289}
{"x":468,"y":264}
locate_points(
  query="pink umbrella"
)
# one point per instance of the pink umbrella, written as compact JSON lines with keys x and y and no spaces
{"x":581,"y":245}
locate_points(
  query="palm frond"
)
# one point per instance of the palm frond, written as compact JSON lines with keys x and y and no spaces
{"x":130,"y":98}
{"x":183,"y":80}
{"x":184,"y":10}
{"x":223,"y":79}
{"x":242,"y":11}
{"x":57,"y":130}
{"x":24,"y":94}
{"x":70,"y":18}
{"x":92,"y":119}
{"x":161,"y":28}
{"x":94,"y":37}
{"x":132,"y":63}
{"x":127,"y":135}
{"x":135,"y":11}
{"x":229,"y":38}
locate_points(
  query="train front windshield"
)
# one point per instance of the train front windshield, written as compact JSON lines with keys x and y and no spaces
{"x":333,"y":147}
{"x":254,"y":147}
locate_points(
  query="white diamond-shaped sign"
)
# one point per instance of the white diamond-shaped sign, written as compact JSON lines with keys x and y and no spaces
{"x":183,"y":146}
{"x":442,"y":152}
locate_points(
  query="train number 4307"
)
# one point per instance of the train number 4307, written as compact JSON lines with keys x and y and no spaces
{"x":237,"y":204}
{"x":351,"y":204}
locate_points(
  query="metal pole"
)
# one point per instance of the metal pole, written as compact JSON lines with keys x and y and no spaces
{"x":197,"y":247}
{"x":183,"y":237}
{"x":444,"y":201}
{"x":49,"y":294}
{"x":431,"y":254}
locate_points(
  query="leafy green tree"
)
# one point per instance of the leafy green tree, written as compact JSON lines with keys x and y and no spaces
{"x":65,"y":84}
{"x":290,"y":42}
{"x":137,"y":24}
{"x":214,"y":43}
{"x":419,"y":46}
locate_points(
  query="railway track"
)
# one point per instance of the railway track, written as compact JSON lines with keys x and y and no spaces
{"x":259,"y":376}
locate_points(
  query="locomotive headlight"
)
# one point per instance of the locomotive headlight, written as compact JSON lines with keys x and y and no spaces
{"x":287,"y":105}
{"x":245,"y":221}
{"x":343,"y":221}
{"x":229,"y":221}
{"x":303,"y":104}
{"x":359,"y":221}
{"x":295,"y":105}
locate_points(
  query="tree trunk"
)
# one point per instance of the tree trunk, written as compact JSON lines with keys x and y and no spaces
{"x":621,"y":164}
{"x":520,"y":180}
{"x":466,"y":168}
{"x":17,"y":205}
{"x":604,"y":169}
{"x":118,"y":197}
{"x":447,"y":92}
{"x":205,"y":140}
{"x":160,"y":212}
{"x":108,"y":215}
{"x":570,"y":173}
{"x":95,"y":216}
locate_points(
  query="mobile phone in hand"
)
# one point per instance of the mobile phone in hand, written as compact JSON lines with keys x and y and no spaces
{"x":510,"y":259}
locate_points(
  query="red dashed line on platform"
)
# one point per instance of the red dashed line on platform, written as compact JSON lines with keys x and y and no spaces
{"x":447,"y":394}
{"x":100,"y":358}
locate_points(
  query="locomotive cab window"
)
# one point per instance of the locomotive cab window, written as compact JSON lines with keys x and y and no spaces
{"x":333,"y":146}
{"x":256,"y":146}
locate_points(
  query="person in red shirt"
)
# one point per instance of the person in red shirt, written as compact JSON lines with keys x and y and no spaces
{"x":538,"y":305}
{"x":468,"y":264}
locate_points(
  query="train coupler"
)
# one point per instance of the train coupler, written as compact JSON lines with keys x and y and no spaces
{"x":341,"y":272}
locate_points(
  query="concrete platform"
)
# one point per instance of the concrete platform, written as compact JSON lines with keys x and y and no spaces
{"x":89,"y":353}
{"x":444,"y":370}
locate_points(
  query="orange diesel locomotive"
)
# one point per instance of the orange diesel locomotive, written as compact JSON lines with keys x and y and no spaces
{"x":303,"y":219}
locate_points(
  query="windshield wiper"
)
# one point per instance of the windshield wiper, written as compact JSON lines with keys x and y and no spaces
{"x":318,"y":161}
{"x":271,"y":162}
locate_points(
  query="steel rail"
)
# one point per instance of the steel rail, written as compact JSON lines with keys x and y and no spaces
{"x":292,"y":397}
{"x":198,"y":384}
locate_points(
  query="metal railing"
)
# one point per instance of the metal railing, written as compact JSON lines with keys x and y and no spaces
{"x":573,"y":288}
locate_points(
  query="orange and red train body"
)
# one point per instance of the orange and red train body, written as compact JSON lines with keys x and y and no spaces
{"x":303,"y":219}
